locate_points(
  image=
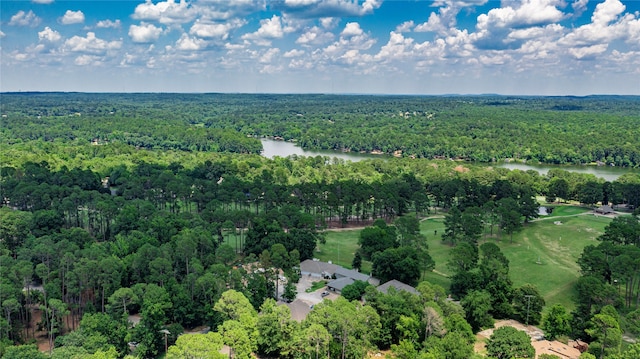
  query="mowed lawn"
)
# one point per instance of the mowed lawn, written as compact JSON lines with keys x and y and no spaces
{"x":545,"y":254}
{"x":340,"y":247}
{"x":542,"y":253}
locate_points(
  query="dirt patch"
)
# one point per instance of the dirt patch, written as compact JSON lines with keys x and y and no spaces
{"x":480,"y":346}
{"x":534,"y":332}
{"x":461,"y":169}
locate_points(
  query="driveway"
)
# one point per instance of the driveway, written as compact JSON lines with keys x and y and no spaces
{"x":315,"y":297}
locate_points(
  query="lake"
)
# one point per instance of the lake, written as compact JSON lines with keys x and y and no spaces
{"x":272,"y":148}
{"x":607,"y":172}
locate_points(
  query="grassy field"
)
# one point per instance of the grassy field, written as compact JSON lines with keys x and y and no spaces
{"x":340,"y":247}
{"x":543,"y":253}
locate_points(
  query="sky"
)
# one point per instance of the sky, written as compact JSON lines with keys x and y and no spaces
{"x":510,"y":47}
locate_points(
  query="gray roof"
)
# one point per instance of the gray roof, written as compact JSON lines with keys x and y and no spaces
{"x":318,"y":267}
{"x":340,"y":283}
{"x":604,"y":209}
{"x":299,"y":309}
{"x":398,"y":285}
{"x":349,"y":273}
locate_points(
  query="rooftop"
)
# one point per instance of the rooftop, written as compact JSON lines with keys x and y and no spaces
{"x":398,"y":285}
{"x":350,"y":273}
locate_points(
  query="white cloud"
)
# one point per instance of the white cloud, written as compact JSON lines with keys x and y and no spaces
{"x":215,"y":30}
{"x":328,"y":22}
{"x":398,"y":47}
{"x":86,"y":60}
{"x":607,"y":25}
{"x":494,"y":27}
{"x":351,"y":29}
{"x":165,"y":12}
{"x":314,"y":36}
{"x":186,"y":43}
{"x":529,"y":13}
{"x":269,"y":55}
{"x":327,"y":8}
{"x":300,"y":3}
{"x":293,"y":53}
{"x":406,"y":26}
{"x":2,"y":34}
{"x":550,"y":32}
{"x":22,"y":18}
{"x":432,"y":24}
{"x":72,"y":17}
{"x":269,"y":29}
{"x":144,"y":33}
{"x":49,"y":35}
{"x":587,"y":52}
{"x":91,"y":44}
{"x":226,"y":9}
{"x":43,"y":2}
{"x":348,"y":48}
{"x":606,"y":12}
{"x":579,"y":6}
{"x":105,"y":24}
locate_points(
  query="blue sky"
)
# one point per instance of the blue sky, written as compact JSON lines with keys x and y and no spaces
{"x":520,"y":47}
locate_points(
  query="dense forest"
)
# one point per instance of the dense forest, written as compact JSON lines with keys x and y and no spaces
{"x":557,"y":130}
{"x":159,"y":206}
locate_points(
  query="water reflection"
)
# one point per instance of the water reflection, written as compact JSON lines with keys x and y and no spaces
{"x":273,"y":148}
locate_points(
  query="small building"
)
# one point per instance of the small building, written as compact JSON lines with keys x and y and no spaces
{"x":341,"y":272}
{"x":605,"y":209}
{"x":338,"y":285}
{"x":398,"y":286}
{"x":299,"y":309}
{"x":318,"y":269}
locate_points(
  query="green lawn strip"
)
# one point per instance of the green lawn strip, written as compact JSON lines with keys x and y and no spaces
{"x":433,"y":229}
{"x":565,"y":210}
{"x":545,"y":254}
{"x":340,"y":247}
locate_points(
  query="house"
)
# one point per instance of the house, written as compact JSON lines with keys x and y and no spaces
{"x":350,"y":273}
{"x":556,"y":348}
{"x":299,"y":309}
{"x":398,"y":286}
{"x":604,"y":210}
{"x":338,"y":285}
{"x":318,"y":269}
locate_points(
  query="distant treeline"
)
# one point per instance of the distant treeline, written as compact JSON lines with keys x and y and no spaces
{"x":557,"y":130}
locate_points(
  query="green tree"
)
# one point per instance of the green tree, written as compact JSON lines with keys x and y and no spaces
{"x":510,"y":217}
{"x":463,"y":257}
{"x":27,"y":351}
{"x":401,"y":263}
{"x":234,"y":306}
{"x":238,"y":339}
{"x":605,"y":330}
{"x":528,"y":304}
{"x":353,"y":326}
{"x":275,"y":328}
{"x":557,"y":322}
{"x":477,"y":305}
{"x":508,"y":342}
{"x":355,"y":290}
{"x":376,"y":239}
{"x":316,"y":340}
{"x":197,"y":346}
{"x":356,"y":264}
{"x":55,"y":310}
